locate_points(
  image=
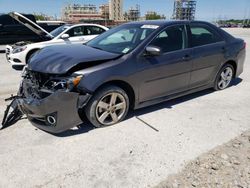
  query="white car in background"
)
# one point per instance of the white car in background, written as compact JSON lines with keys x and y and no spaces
{"x":20,"y":53}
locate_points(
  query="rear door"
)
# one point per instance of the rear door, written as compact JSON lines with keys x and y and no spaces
{"x":208,"y":53}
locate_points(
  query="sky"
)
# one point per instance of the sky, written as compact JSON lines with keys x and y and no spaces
{"x":209,"y":10}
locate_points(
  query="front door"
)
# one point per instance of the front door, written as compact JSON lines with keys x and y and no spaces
{"x":168,"y":73}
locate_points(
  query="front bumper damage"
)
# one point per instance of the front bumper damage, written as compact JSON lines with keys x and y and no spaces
{"x":54,"y":114}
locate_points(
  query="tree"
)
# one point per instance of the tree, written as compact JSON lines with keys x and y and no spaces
{"x":40,"y":16}
{"x":154,"y":16}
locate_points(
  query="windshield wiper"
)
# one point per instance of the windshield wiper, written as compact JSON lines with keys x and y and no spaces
{"x":96,"y":48}
{"x":105,"y":50}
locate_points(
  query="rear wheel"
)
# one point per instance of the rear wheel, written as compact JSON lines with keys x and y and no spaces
{"x":107,"y":107}
{"x":224,"y":77}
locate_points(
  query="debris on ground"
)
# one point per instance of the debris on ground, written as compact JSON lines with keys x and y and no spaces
{"x":225,"y":166}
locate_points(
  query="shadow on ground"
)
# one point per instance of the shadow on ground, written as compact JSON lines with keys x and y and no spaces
{"x":86,"y":127}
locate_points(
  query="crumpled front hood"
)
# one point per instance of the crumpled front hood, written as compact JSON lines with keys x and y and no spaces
{"x":62,"y":58}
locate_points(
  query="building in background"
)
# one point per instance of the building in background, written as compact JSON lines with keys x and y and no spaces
{"x":104,"y":11}
{"x":133,"y":14}
{"x":116,"y":10}
{"x":75,"y":13}
{"x":184,"y":9}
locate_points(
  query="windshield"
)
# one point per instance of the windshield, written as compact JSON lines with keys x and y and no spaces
{"x":59,"y":30}
{"x":122,"y":39}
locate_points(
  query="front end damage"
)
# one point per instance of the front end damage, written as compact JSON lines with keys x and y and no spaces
{"x":50,"y":102}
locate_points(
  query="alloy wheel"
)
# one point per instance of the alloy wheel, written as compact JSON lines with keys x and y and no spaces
{"x":225,"y":78}
{"x":111,"y":108}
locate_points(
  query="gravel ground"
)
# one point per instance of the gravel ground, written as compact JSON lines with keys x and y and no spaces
{"x":130,"y":154}
{"x":225,"y":166}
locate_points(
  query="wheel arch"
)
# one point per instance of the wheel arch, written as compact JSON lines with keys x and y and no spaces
{"x":234,"y":64}
{"x":30,"y":53}
{"x":123,"y":85}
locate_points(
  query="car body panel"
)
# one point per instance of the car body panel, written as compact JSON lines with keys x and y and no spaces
{"x":38,"y":111}
{"x":165,"y":74}
{"x":58,"y":61}
{"x":206,"y":61}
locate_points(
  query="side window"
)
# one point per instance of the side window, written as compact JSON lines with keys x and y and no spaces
{"x":76,"y":31}
{"x":93,"y":30}
{"x":201,"y":35}
{"x":172,"y":39}
{"x":145,"y":33}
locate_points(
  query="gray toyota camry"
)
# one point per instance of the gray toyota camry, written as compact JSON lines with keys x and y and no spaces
{"x":129,"y":67}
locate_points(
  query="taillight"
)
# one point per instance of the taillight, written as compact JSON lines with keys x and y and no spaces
{"x":245,"y":45}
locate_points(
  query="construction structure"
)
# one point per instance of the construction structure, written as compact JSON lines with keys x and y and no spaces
{"x":184,"y":9}
{"x":133,"y":14}
{"x":116,"y":10}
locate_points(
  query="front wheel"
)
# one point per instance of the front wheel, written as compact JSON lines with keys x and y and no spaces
{"x":107,"y":107}
{"x":224,"y":77}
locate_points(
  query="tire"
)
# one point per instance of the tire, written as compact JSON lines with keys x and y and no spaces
{"x":224,"y":77}
{"x":107,"y":107}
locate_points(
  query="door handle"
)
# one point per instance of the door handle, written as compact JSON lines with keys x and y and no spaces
{"x":186,"y":57}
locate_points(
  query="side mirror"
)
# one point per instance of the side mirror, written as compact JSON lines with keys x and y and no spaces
{"x":65,"y":36}
{"x":152,"y":51}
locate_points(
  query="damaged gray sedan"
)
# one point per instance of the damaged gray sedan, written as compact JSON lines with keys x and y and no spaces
{"x":131,"y":66}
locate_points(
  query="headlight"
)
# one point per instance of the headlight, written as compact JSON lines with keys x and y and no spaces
{"x":73,"y":82}
{"x":65,"y":84}
{"x":19,"y":49}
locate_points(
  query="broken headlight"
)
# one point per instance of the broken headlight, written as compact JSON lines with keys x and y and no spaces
{"x":73,"y":82}
{"x":66,"y":83}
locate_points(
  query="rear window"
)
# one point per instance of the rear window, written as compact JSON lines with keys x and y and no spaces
{"x":202,"y":35}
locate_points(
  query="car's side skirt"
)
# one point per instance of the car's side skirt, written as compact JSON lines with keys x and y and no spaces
{"x":173,"y":96}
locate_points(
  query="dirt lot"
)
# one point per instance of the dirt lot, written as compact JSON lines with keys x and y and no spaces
{"x":131,"y":154}
{"x":225,"y":166}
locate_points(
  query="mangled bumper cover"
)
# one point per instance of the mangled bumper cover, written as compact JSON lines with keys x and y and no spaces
{"x":55,"y":113}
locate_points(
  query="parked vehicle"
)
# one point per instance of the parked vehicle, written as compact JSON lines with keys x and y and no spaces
{"x":131,"y":66}
{"x":11,"y":31}
{"x":246,"y":26}
{"x":19,"y":54}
